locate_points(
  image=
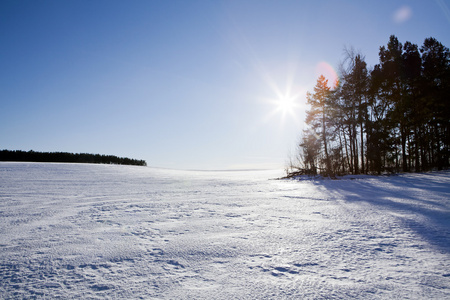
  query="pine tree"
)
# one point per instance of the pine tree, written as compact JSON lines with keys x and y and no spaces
{"x":317,"y":118}
{"x":412,"y":71}
{"x":436,"y":74}
{"x":354,"y":93}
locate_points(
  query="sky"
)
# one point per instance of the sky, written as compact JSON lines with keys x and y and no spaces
{"x":184,"y":84}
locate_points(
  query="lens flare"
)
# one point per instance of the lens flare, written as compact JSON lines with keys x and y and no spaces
{"x":325,"y":69}
{"x":403,"y":14}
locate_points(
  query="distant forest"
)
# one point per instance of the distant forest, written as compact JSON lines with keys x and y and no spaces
{"x":33,"y":156}
{"x":394,"y":117}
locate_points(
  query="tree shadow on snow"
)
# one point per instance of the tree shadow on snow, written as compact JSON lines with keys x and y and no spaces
{"x":425,"y":196}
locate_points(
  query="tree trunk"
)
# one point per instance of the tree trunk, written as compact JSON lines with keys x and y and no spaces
{"x":355,"y":150}
{"x":346,"y":150}
{"x":404,"y":156}
{"x":324,"y":136}
{"x":362,"y":150}
{"x":416,"y":149}
{"x":350,"y":140}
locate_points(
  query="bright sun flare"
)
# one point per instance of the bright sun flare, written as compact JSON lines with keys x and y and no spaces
{"x":286,"y":96}
{"x":286,"y":104}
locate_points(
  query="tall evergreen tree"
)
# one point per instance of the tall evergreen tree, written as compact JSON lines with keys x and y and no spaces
{"x":436,"y":74}
{"x":355,"y":93}
{"x":412,"y":71}
{"x":391,"y":63}
{"x":318,"y":117}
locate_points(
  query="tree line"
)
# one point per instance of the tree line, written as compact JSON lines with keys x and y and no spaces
{"x":33,"y":156}
{"x":394,"y":117}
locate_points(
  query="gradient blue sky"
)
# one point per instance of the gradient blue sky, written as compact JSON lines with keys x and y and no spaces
{"x":182,"y":84}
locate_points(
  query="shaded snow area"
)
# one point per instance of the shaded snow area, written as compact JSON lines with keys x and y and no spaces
{"x":125,"y":232}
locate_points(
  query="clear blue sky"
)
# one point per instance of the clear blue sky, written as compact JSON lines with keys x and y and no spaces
{"x":183,"y":84}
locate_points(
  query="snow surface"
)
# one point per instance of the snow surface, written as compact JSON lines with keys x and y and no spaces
{"x":106,"y":231}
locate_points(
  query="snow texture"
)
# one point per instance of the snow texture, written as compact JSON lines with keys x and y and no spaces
{"x":126,"y":232}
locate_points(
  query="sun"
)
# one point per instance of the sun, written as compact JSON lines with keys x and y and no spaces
{"x":286,"y":96}
{"x":286,"y":104}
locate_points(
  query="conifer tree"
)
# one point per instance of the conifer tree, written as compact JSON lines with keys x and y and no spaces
{"x":354,"y":93}
{"x":436,"y":74}
{"x":317,"y":118}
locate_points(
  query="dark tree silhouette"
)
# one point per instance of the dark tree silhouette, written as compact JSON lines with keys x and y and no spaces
{"x":393,"y":117}
{"x":32,"y":156}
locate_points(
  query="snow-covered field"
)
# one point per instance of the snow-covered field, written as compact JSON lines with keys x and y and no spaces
{"x":105,"y":231}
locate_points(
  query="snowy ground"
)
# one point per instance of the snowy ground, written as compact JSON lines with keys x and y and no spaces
{"x":104,"y":231}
